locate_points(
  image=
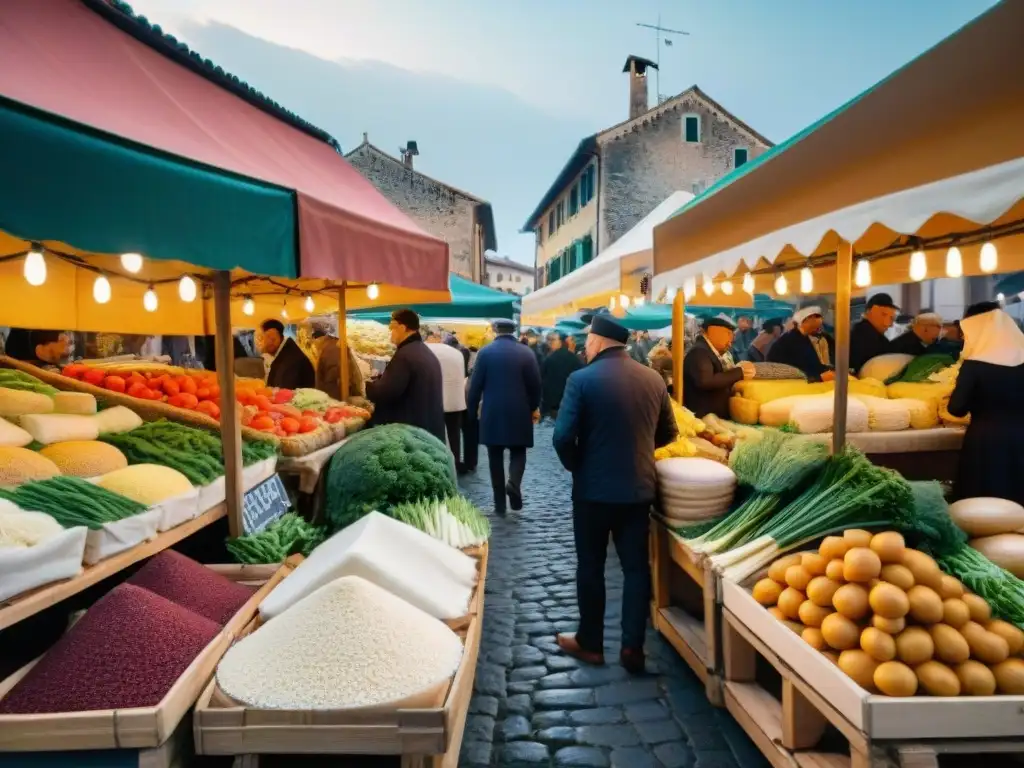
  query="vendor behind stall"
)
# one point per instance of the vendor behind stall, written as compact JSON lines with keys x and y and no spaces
{"x":919,"y":338}
{"x":43,"y":349}
{"x":328,"y":367}
{"x":290,"y":368}
{"x":867,"y":338}
{"x":707,"y":375}
{"x":757,"y":351}
{"x":952,"y":341}
{"x":989,"y":388}
{"x":799,"y":347}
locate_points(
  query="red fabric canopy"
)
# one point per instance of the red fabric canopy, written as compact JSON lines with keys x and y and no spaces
{"x":61,"y":57}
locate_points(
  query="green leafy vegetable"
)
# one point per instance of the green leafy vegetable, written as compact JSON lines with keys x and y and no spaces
{"x":12,"y":379}
{"x":288,"y":535}
{"x":1003,"y":591}
{"x":931,"y":528}
{"x":921,"y":367}
{"x":454,"y":520}
{"x":72,"y":501}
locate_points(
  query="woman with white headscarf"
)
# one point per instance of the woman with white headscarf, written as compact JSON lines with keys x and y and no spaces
{"x":990,"y":387}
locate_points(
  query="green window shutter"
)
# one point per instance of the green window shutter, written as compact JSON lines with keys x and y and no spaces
{"x":692,"y":128}
{"x":574,"y":200}
{"x":586,"y":250}
{"x":551,"y":222}
{"x":740,"y":156}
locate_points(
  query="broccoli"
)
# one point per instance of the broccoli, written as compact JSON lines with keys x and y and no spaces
{"x":380,"y":468}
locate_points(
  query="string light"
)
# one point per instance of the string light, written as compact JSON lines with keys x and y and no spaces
{"x":638,"y":302}
{"x":862,"y":274}
{"x":748,"y":283}
{"x":149,"y":300}
{"x":248,"y":306}
{"x":727,"y":287}
{"x":670,"y":295}
{"x":101,"y":290}
{"x":1000,"y":298}
{"x":372,"y":291}
{"x":781,"y":286}
{"x":954,"y":263}
{"x":989,"y":257}
{"x":624,"y":301}
{"x":187,"y":289}
{"x":611,"y":303}
{"x":309,"y":305}
{"x":918,"y":266}
{"x":132,"y":262}
{"x":35,"y":266}
{"x":284,"y":310}
{"x":806,"y":280}
{"x":709,"y":286}
{"x":690,"y":288}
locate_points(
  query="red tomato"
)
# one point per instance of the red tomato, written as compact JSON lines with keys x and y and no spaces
{"x":115,"y":384}
{"x":94,"y":376}
{"x":209,"y":408}
{"x":148,"y":394}
{"x":137,"y":388}
{"x":74,"y":370}
{"x":263,"y":423}
{"x":136,"y":378}
{"x":171,"y":388}
{"x":290,"y":425}
{"x":333,"y":415}
{"x":308,"y":424}
{"x":262,"y":402}
{"x":184,"y":400}
{"x":214,"y":390}
{"x":283,"y":396}
{"x":287,"y":410}
{"x":203,"y":393}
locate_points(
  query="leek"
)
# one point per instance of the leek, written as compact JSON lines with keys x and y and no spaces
{"x":1003,"y":591}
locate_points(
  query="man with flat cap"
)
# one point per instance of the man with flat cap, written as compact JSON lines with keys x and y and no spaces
{"x":867,"y":338}
{"x":506,"y":378}
{"x":615,"y":412}
{"x":708,"y":375}
{"x":798,"y":346}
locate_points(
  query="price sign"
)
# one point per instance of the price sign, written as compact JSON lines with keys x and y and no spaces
{"x":263,"y":504}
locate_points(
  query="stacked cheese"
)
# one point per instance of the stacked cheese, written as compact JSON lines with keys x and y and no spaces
{"x":694,"y":489}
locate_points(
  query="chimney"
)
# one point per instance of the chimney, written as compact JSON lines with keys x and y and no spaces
{"x":637,"y":68}
{"x":366,"y":138}
{"x":410,"y":151}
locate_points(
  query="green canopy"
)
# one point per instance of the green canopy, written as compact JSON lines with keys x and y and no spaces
{"x":652,"y":317}
{"x":470,"y":301}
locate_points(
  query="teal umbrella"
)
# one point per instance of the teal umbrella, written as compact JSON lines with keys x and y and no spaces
{"x":470,"y":301}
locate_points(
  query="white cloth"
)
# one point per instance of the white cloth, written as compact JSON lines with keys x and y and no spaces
{"x":802,"y":314}
{"x":993,"y":337}
{"x":453,"y":376}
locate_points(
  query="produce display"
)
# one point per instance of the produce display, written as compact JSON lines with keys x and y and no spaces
{"x":994,"y":526}
{"x":349,"y":644}
{"x":20,"y":465}
{"x":20,"y":529}
{"x":922,"y":368}
{"x":84,"y":458}
{"x":126,"y":651}
{"x":81,"y":403}
{"x":49,"y":428}
{"x":288,"y":535}
{"x":386,"y":466}
{"x":147,"y":484}
{"x":114,"y":421}
{"x":18,"y":402}
{"x":694,"y":489}
{"x":708,"y":438}
{"x":421,"y":570}
{"x":455,"y":520}
{"x":369,"y":339}
{"x":190,"y":585}
{"x":900,"y":625}
{"x":18,"y":380}
{"x":13,"y":436}
{"x":72,"y":501}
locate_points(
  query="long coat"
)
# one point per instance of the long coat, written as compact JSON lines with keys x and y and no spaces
{"x":328,"y":370}
{"x":707,"y":386}
{"x":506,"y":377}
{"x":614,"y":414}
{"x":291,"y":368}
{"x":410,"y":391}
{"x":795,"y":349}
{"x":554,"y":373}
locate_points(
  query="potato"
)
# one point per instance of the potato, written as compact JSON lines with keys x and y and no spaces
{"x":833,"y":548}
{"x":813,"y":637}
{"x":776,"y":613}
{"x":821,"y":590}
{"x":877,"y":644}
{"x":1013,"y":636}
{"x":950,"y":645}
{"x":897,"y":575}
{"x":925,"y":605}
{"x":985,"y":646}
{"x":894,"y":678}
{"x":812,"y":615}
{"x":839,"y":632}
{"x":981,"y":611}
{"x":888,"y":546}
{"x":914,"y":646}
{"x":955,"y":612}
{"x":1010,"y":677}
{"x":798,"y":577}
{"x":937,"y":679}
{"x":889,"y":601}
{"x":813,"y":563}
{"x":855,"y":537}
{"x":777,"y":570}
{"x":861,"y":565}
{"x":950,"y":587}
{"x":889,"y":626}
{"x":767,"y":592}
{"x":789,"y":602}
{"x":924,"y":569}
{"x":851,"y":600}
{"x":975,"y":679}
{"x":859,"y":667}
{"x":834,"y":570}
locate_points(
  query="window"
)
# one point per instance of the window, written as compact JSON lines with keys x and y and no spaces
{"x":499,"y":277}
{"x":591,"y":177}
{"x":552,"y":227}
{"x":697,"y":187}
{"x":587,"y":246}
{"x":691,"y":129}
{"x":519,"y":278}
{"x":560,"y":212}
{"x":739,"y":156}
{"x":574,"y":200}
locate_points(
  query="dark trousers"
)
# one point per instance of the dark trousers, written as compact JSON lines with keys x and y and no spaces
{"x":470,"y":440}
{"x":453,"y":426}
{"x":516,"y":468}
{"x":627,"y":525}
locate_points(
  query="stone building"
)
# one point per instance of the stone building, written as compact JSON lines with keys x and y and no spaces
{"x":619,"y":175}
{"x":506,"y":275}
{"x":465,"y":222}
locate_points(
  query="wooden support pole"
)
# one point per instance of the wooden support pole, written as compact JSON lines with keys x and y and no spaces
{"x":678,"y":334}
{"x":230,"y":424}
{"x":802,"y":724}
{"x":346,"y":375}
{"x":844,"y":288}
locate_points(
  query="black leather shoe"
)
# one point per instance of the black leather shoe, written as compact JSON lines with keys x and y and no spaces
{"x":515,"y":498}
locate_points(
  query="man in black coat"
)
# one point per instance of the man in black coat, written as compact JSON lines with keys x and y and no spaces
{"x":867,"y":338}
{"x":291,"y":368}
{"x":798,"y":347}
{"x":707,"y":381}
{"x":410,"y":391}
{"x":554,"y":372}
{"x":615,"y":412}
{"x":920,"y":337}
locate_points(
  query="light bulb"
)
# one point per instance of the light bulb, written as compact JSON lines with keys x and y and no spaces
{"x":670,"y":295}
{"x":727,"y":287}
{"x":132,"y":262}
{"x":806,"y":280}
{"x":748,"y":283}
{"x":372,"y":291}
{"x":284,"y":312}
{"x":309,"y":305}
{"x":611,"y":303}
{"x":248,"y":306}
{"x":689,"y":288}
{"x":35,"y":267}
{"x":918,"y":266}
{"x":1000,"y":298}
{"x":989,"y":257}
{"x":149,"y":301}
{"x":954,"y":263}
{"x":187,"y":289}
{"x":638,"y":302}
{"x":781,"y":286}
{"x":624,"y":301}
{"x":709,"y":286}
{"x":101,"y":290}
{"x":862,"y":274}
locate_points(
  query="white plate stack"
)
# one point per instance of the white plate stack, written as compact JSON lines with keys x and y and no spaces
{"x":693,"y":489}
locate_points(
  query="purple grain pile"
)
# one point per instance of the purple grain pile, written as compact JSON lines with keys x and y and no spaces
{"x":126,"y":651}
{"x":193,"y":586}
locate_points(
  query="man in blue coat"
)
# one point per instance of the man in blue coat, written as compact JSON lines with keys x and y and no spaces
{"x":614,"y":414}
{"x":506,"y":376}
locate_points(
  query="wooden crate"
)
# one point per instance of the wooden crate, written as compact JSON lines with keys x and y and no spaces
{"x":142,"y":728}
{"x":685,"y":607}
{"x":881,"y":731}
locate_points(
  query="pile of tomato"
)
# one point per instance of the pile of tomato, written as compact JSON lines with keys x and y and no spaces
{"x":193,"y":391}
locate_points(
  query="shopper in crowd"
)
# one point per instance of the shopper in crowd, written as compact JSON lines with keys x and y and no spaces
{"x":636,"y":348}
{"x":289,"y":367}
{"x":614,"y":414}
{"x":745,"y":335}
{"x":532,"y":340}
{"x":506,"y":388}
{"x":558,"y":366}
{"x":920,"y":337}
{"x":43,"y":349}
{"x":453,"y":378}
{"x":411,"y":389}
{"x":867,"y":338}
{"x":453,"y":341}
{"x":988,"y":388}
{"x":799,"y":347}
{"x":757,"y":352}
{"x":328,"y":367}
{"x":951,"y":342}
{"x":708,"y":375}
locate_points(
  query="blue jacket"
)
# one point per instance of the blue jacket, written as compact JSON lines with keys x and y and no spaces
{"x":507,"y":378}
{"x":614,"y":414}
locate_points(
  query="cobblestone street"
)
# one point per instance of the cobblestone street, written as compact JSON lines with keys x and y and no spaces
{"x":535,"y":706}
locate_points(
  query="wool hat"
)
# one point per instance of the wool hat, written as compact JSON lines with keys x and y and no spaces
{"x":717,"y":322}
{"x":605,"y":326}
{"x":802,"y":314}
{"x":882,"y":300}
{"x":503,"y":326}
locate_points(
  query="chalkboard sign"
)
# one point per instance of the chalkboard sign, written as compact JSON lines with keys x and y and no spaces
{"x":263,"y":504}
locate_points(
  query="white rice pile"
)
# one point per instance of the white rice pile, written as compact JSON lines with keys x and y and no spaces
{"x":349,"y":644}
{"x":407,"y":562}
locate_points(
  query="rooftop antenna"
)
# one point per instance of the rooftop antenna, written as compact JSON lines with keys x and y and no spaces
{"x":658,"y":40}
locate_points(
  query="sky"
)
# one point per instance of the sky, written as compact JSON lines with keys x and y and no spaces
{"x":497,"y":95}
